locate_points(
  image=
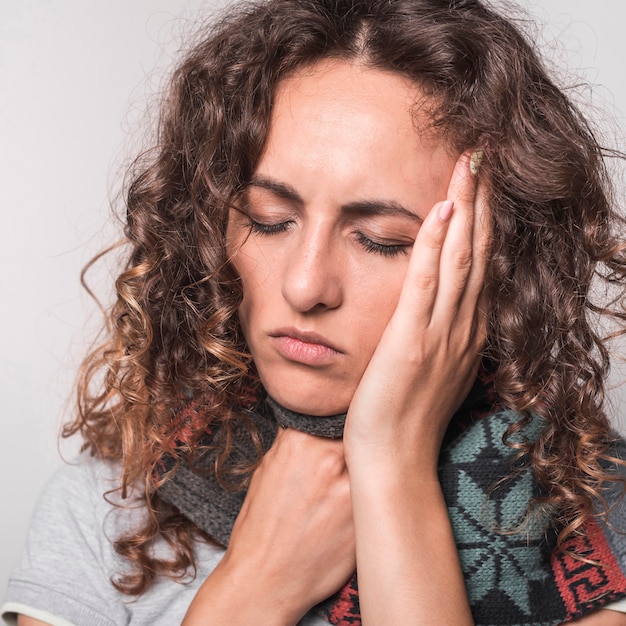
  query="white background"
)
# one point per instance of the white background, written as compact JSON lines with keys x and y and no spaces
{"x":75,"y":77}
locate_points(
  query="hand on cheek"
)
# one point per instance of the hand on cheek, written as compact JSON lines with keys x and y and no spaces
{"x":428,"y":355}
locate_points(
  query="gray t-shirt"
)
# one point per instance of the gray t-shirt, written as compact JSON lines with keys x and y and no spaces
{"x":64,"y":575}
{"x":65,"y":571}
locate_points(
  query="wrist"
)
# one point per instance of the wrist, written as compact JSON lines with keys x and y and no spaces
{"x":398,"y":454}
{"x":237,"y":596}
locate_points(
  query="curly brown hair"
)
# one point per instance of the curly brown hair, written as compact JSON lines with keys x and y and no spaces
{"x":556,"y":233}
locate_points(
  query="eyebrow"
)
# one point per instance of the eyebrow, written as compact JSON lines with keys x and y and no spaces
{"x":356,"y":208}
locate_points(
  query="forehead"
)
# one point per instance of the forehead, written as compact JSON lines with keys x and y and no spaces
{"x":354,"y":94}
{"x":360,"y":128}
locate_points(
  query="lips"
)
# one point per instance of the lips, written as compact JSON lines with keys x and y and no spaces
{"x":306,"y":348}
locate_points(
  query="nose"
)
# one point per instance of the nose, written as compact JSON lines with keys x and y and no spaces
{"x":312,"y":279}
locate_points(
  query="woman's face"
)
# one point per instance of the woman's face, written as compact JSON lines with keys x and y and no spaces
{"x":322,"y":236}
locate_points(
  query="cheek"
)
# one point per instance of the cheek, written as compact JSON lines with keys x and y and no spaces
{"x":259,"y":287}
{"x":377,"y":304}
{"x":247,"y":305}
{"x":235,"y":241}
{"x":255,"y":263}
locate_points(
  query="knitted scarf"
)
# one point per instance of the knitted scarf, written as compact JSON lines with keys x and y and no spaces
{"x":512,"y":578}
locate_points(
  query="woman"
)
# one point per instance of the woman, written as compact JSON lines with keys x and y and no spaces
{"x":384,"y":209}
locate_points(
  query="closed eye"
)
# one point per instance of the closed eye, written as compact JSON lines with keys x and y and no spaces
{"x":268,"y":229}
{"x":388,"y":250}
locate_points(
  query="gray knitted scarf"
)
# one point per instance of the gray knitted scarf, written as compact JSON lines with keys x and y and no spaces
{"x":515,"y":579}
{"x":198,"y":494}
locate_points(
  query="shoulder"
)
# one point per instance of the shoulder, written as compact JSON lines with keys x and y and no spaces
{"x":81,"y":479}
{"x":68,"y":560}
{"x":83,"y":492}
{"x":618,"y":450}
{"x":78,"y":508}
{"x":613,"y":500}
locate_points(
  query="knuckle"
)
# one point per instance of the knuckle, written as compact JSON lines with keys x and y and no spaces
{"x":331,"y":463}
{"x":418,"y":354}
{"x":426,"y":282}
{"x":432,"y":241}
{"x":463,"y":261}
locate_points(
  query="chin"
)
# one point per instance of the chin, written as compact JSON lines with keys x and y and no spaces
{"x":309,"y":399}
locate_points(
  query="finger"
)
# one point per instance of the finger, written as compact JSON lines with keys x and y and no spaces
{"x":421,"y":283}
{"x":481,"y":244}
{"x":457,"y":254}
{"x":475,"y":297}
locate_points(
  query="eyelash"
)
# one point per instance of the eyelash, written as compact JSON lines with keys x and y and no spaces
{"x":379,"y":248}
{"x":368,"y":244}
{"x":268,"y":229}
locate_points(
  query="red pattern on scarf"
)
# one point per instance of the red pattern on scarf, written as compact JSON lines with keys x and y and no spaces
{"x":344,"y":610}
{"x":581,"y":584}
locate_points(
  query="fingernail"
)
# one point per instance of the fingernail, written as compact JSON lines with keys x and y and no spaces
{"x":476,"y":160}
{"x":445,"y":210}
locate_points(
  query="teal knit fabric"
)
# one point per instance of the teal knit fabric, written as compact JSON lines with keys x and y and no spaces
{"x":513,"y":574}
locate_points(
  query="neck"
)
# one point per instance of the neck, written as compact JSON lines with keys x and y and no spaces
{"x":330,"y":426}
